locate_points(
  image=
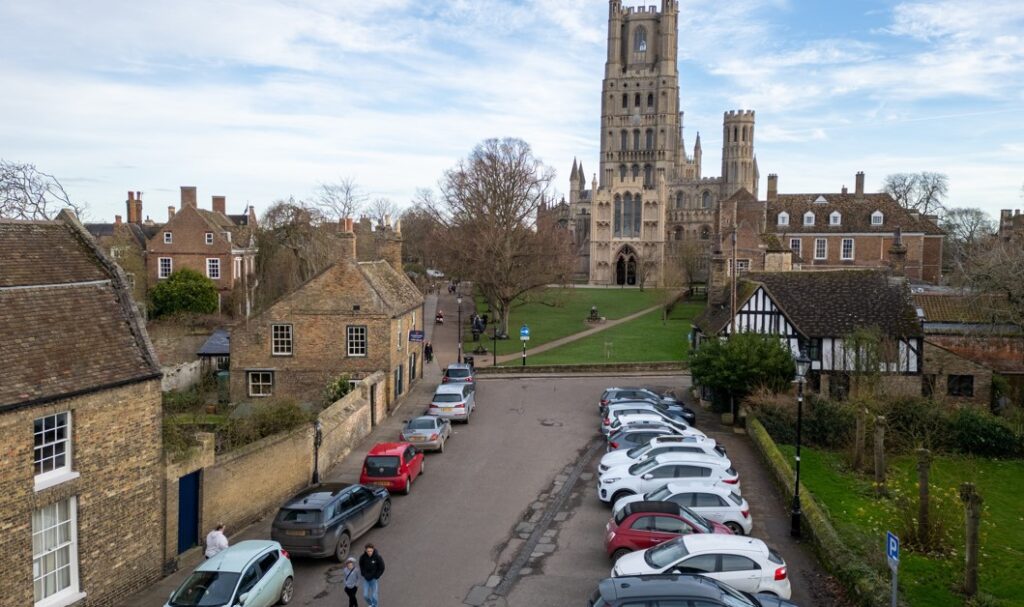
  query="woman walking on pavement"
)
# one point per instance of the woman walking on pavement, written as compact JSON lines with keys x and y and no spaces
{"x":352,"y":578}
{"x":371,"y":567}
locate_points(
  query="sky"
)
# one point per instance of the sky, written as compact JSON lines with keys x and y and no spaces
{"x":259,"y":100}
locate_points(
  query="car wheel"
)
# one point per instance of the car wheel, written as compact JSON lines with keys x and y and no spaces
{"x":621,"y":552}
{"x":287,"y":590}
{"x":343,"y":547}
{"x":408,"y":485}
{"x":385,"y":514}
{"x":736,"y":528}
{"x":621,"y":494}
{"x":423,"y":467}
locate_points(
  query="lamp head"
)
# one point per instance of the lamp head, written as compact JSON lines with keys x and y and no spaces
{"x":458,"y":300}
{"x":803,"y":364}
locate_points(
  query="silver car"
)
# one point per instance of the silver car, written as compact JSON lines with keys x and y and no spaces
{"x":427,"y":432}
{"x":254,"y":573}
{"x":453,"y":401}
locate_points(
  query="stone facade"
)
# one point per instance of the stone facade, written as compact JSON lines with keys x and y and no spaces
{"x":1011,"y":224}
{"x":950,"y":377}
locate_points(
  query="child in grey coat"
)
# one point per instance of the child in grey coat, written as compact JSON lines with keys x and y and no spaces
{"x":352,"y":579}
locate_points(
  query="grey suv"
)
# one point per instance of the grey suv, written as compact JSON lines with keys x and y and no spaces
{"x":676,"y":591}
{"x":323,"y":520}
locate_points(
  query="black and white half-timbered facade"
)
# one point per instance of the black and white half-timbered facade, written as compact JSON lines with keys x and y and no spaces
{"x":816,"y":311}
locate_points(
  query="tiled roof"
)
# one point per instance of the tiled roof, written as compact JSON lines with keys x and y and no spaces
{"x":100,"y":230}
{"x":395,"y":289}
{"x":218,"y":344}
{"x":967,"y":309}
{"x":67,"y":327}
{"x":855,"y":210}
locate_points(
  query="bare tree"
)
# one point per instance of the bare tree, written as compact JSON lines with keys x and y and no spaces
{"x":923,"y":192}
{"x":295,"y":242}
{"x":488,"y":230}
{"x":381,"y":209}
{"x":419,"y":232}
{"x":966,"y":230}
{"x":28,"y":193}
{"x":340,"y":199}
{"x":996,"y":269}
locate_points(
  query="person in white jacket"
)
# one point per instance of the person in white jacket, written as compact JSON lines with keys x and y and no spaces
{"x":216,"y":541}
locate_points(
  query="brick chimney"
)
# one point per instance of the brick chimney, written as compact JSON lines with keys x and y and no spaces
{"x":389,"y":247}
{"x":845,"y":190}
{"x":117,"y":220}
{"x":898,"y":255}
{"x":345,"y":248}
{"x":859,"y":190}
{"x":188,"y":196}
{"x":220,"y":204}
{"x":773,"y":187}
{"x":170,"y":213}
{"x":130,"y":208}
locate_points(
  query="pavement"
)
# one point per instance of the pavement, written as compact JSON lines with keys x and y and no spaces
{"x":508,"y":515}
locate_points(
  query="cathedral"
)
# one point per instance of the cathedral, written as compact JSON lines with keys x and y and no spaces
{"x":649,"y":203}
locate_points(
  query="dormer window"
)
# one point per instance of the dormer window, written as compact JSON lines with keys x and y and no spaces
{"x":835,"y":218}
{"x":209,"y":238}
{"x":168,"y":238}
{"x":808,"y":218}
{"x":820,"y":200}
{"x":783,"y":218}
{"x":877,"y":218}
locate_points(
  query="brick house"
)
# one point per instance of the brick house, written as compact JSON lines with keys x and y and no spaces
{"x":354,"y":318}
{"x":81,"y":491}
{"x":125,"y":243}
{"x":219,"y":246}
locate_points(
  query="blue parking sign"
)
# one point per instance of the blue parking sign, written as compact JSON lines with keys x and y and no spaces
{"x":524,"y":333}
{"x":892,"y":549}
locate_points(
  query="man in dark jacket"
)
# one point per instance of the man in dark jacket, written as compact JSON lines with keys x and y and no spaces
{"x":371,"y":567}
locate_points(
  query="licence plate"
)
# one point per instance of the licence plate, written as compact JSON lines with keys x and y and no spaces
{"x":416,"y":438}
{"x":299,"y":532}
{"x":382,"y":483}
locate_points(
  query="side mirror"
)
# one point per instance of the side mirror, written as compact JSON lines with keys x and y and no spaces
{"x":243,"y":598}
{"x":648,"y":476}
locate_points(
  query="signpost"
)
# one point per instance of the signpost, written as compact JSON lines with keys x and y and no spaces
{"x":892,"y":553}
{"x":415,"y":335}
{"x":524,"y":336}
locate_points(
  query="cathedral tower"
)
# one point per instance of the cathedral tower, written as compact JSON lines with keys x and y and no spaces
{"x":739,"y":167}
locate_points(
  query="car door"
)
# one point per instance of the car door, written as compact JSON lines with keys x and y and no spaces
{"x":703,"y":564}
{"x":640,"y":532}
{"x":470,"y":397}
{"x":711,"y":506}
{"x":268,"y":589}
{"x":739,"y":572}
{"x":656,"y":477}
{"x":667,"y":527}
{"x":444,"y":427}
{"x":368,"y":508}
{"x":248,"y":586}
{"x":414,"y":461}
{"x":347,"y":516}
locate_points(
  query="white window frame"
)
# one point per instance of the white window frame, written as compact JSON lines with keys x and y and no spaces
{"x":54,"y":476}
{"x":783,"y":219}
{"x":238,"y":268}
{"x":168,"y":237}
{"x":213,"y":267}
{"x":282,"y":339}
{"x":835,"y":219}
{"x":823,"y":248}
{"x":877,"y":218}
{"x":253,"y":379}
{"x":809,"y":215}
{"x":71,"y":593}
{"x":209,"y":238}
{"x":160,"y":267}
{"x":357,"y":337}
{"x":842,"y":249}
{"x":798,"y":249}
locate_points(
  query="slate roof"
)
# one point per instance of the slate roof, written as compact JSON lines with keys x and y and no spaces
{"x":102,"y":230}
{"x":218,"y":344}
{"x":830,"y":303}
{"x":856,"y":214}
{"x":966,"y":309}
{"x":395,"y":289}
{"x":68,"y":323}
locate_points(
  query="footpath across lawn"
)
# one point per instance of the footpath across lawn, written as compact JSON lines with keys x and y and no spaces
{"x":862,"y":521}
{"x":558,"y":312}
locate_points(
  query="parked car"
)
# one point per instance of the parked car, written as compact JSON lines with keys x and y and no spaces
{"x":454,"y":401}
{"x":635,"y":435}
{"x":642,"y":407}
{"x":716,"y":502}
{"x":641,"y":525}
{"x":325,"y":519}
{"x":745,"y":563}
{"x":631,"y":418}
{"x":256,"y":573}
{"x":664,"y":402}
{"x":393,"y":466}
{"x":428,"y":432}
{"x":655,"y":472}
{"x":671,"y":444}
{"x":457,"y":373}
{"x":675,"y":590}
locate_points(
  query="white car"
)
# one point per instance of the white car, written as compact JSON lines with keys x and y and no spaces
{"x":659,"y":445}
{"x":717,"y":502}
{"x":618,"y":409}
{"x":658,"y":471}
{"x":679,"y":427}
{"x":745,"y":563}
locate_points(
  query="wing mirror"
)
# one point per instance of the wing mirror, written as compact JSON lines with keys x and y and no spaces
{"x":243,"y":598}
{"x":648,"y":476}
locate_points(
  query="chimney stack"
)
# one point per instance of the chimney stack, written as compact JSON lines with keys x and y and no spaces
{"x":220,"y":204}
{"x":188,"y":196}
{"x":860,"y":183}
{"x":773,"y":187}
{"x":345,"y":249}
{"x":170,"y":213}
{"x":845,"y":190}
{"x":117,"y":220}
{"x":898,"y":255}
{"x":130,"y":208}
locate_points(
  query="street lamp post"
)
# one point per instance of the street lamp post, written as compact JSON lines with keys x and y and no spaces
{"x":318,"y":438}
{"x":802,"y":365}
{"x":458,"y":299}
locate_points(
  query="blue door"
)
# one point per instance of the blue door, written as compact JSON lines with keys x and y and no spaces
{"x":188,"y":511}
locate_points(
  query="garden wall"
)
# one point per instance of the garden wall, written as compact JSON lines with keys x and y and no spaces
{"x":181,"y":376}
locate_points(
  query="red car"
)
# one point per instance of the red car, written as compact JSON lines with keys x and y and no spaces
{"x":392,"y":465}
{"x":641,"y":525}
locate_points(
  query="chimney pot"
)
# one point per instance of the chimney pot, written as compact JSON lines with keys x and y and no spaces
{"x":220,"y":204}
{"x":773,"y":187}
{"x":117,"y":220}
{"x":131,"y":195}
{"x":170,"y":213}
{"x":845,"y":191}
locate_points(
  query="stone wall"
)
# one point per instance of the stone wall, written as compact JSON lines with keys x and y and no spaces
{"x":181,"y":376}
{"x":941,"y":363}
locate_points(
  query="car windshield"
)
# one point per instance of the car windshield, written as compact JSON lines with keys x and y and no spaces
{"x":643,"y":467}
{"x":295,"y":515}
{"x":458,"y":373}
{"x":205,"y":589}
{"x":422,"y":424}
{"x":381,"y":465}
{"x":663,"y":555}
{"x":658,"y":496}
{"x":637,"y":452}
{"x":696,"y":519}
{"x":447,"y":398}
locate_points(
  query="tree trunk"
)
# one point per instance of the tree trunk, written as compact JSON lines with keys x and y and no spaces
{"x":924,"y":463}
{"x":972,"y":507}
{"x":880,"y":456}
{"x":858,"y":440}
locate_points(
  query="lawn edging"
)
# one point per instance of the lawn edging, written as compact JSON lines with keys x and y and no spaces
{"x":585,"y":368}
{"x":863,"y":583}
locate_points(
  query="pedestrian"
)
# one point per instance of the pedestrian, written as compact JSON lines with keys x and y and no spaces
{"x":428,"y":352}
{"x":371,"y":568}
{"x":216,"y":541}
{"x":352,"y":581}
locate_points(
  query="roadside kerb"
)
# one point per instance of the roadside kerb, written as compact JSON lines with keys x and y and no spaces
{"x":863,"y":583}
{"x":601,"y":368}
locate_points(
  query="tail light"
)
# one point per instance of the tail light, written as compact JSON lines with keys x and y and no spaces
{"x":434,"y":437}
{"x":463,"y":407}
{"x":469,"y":380}
{"x":730,"y":481}
{"x":444,"y":379}
{"x":745,"y":513}
{"x":604,"y":401}
{"x":285,"y":554}
{"x":613,"y":445}
{"x":780,"y":574}
{"x":606,"y":421}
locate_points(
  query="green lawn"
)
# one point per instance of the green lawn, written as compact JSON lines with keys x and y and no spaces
{"x":862,"y":521}
{"x":646,"y":339}
{"x":560,"y":312}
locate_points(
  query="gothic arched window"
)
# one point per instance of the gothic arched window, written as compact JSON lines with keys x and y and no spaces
{"x":617,"y":217}
{"x":679,"y":202}
{"x":678,"y":233}
{"x":650,"y":101}
{"x":648,"y":175}
{"x":625,"y":100}
{"x":640,"y":40}
{"x":650,"y":139}
{"x":636,"y":171}
{"x":705,"y":200}
{"x":622,"y":172}
{"x":705,"y":233}
{"x":624,"y":140}
{"x":636,"y":100}
{"x":636,"y":139}
{"x":627,"y":215}
{"x":735,"y":134}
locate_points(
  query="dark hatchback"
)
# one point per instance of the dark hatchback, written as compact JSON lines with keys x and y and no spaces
{"x":325,"y":519}
{"x":676,"y":591}
{"x":665,"y":401}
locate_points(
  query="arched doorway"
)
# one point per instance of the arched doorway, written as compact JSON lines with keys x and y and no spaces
{"x":625,"y":267}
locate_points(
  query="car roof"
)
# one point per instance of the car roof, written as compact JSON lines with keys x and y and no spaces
{"x":459,"y":366}
{"x":670,"y":439}
{"x":237,"y":556}
{"x":642,"y":586}
{"x":450,"y":388}
{"x":316,"y":496}
{"x":627,"y":403}
{"x":430,"y":417}
{"x":684,"y":456}
{"x":715,"y":542}
{"x":652,"y":508}
{"x":644,"y":427}
{"x":388,"y":448}
{"x":698,"y":485}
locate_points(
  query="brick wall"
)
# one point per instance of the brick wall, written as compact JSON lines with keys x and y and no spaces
{"x":116,"y":438}
{"x":942,"y":363}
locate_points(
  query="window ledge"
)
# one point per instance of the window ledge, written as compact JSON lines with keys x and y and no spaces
{"x":52,"y":481}
{"x":61,"y":600}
